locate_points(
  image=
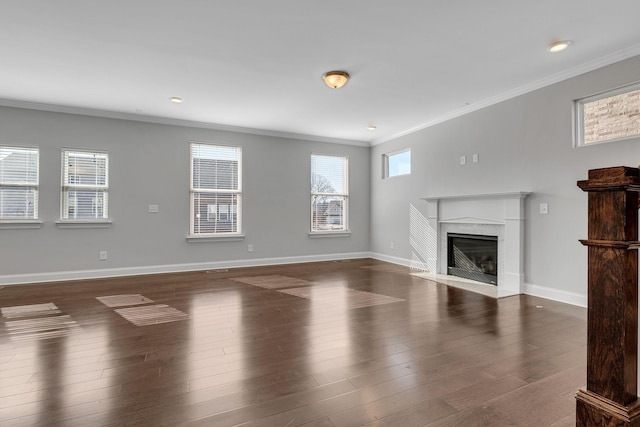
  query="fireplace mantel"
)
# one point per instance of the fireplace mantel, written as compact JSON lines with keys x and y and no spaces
{"x":500,"y":214}
{"x":505,"y":196}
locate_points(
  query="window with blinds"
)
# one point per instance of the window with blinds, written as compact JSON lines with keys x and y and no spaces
{"x":329,"y":193}
{"x":216,"y":190}
{"x":19,"y":183}
{"x":85,"y":185}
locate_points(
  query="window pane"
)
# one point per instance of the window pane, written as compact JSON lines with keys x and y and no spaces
{"x":328,"y":174}
{"x":18,"y":166}
{"x":215,"y":213}
{"x":86,"y":169}
{"x":18,"y":203}
{"x":328,"y":213}
{"x":85,"y":204}
{"x":215,"y":167}
{"x":612,"y":117}
{"x":399,"y":164}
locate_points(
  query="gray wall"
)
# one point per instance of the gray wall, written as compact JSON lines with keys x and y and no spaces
{"x":149,"y":164}
{"x":524,"y":144}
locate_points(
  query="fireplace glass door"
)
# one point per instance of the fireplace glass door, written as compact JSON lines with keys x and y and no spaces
{"x":473,"y":257}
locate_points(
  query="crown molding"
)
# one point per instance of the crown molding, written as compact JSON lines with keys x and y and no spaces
{"x":612,"y":58}
{"x":173,"y":122}
{"x":601,"y":62}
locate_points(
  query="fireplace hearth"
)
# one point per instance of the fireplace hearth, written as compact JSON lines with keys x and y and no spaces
{"x":473,"y":257}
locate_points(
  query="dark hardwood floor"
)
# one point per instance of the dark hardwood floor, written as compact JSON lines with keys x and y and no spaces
{"x":329,"y":344}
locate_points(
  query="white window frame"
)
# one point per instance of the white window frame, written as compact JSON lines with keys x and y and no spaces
{"x":71,"y":222}
{"x":30,"y":222}
{"x":196,"y":235}
{"x":385,"y":163}
{"x":578,"y":115}
{"x":344,"y":193}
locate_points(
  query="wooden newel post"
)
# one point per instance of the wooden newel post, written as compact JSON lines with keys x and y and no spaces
{"x":612,"y":315}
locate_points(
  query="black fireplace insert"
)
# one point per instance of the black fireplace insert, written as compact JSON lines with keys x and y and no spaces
{"x":473,"y":257}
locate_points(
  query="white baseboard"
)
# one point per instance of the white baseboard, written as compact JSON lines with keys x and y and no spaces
{"x":58,"y":276}
{"x":17,"y":279}
{"x":391,"y":259}
{"x":529,"y":289}
{"x":556,"y":295}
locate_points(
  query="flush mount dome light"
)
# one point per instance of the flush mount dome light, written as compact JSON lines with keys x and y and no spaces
{"x":559,"y":46}
{"x":176,"y":100}
{"x":336,"y":79}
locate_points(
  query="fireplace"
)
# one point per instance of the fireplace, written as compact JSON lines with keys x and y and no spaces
{"x":473,"y":256}
{"x":493,"y":214}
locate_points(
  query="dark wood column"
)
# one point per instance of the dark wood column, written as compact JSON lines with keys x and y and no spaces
{"x":612,"y":343}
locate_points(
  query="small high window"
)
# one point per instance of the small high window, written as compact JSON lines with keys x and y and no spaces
{"x":19,"y":183}
{"x":396,"y":164}
{"x":609,"y":116}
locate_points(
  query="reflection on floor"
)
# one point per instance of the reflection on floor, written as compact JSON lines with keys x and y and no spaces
{"x":360,"y":343}
{"x":143,"y":315}
{"x":38,"y":321}
{"x":273,"y":281}
{"x":339,"y":296}
{"x":461,"y":283}
{"x":151,"y":314}
{"x":123,"y":300}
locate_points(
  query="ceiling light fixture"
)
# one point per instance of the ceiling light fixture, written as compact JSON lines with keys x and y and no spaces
{"x":372,"y":127}
{"x":175,"y":100}
{"x":559,"y":46}
{"x":336,"y":79}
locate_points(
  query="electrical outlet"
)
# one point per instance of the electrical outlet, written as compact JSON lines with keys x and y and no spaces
{"x":103,"y":255}
{"x":392,"y":245}
{"x":153,"y":208}
{"x":250,"y":248}
{"x":544,"y":208}
{"x":475,"y":158}
{"x":463,"y":160}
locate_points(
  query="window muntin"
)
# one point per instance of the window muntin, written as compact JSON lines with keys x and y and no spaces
{"x":609,"y":116}
{"x":85,"y":185}
{"x":216,"y":190}
{"x":398,"y":163}
{"x":19,"y":183}
{"x":329,"y":193}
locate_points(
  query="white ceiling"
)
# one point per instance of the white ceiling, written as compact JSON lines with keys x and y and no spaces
{"x":257,"y":64}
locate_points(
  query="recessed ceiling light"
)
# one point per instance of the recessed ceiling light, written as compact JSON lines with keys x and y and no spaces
{"x":175,"y":100}
{"x":559,"y":46}
{"x":336,"y":79}
{"x":371,"y":126}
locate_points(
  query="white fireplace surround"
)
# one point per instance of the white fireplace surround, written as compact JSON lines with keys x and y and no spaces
{"x":495,"y":214}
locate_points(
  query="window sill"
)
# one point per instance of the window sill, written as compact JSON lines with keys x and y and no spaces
{"x":220,"y":238}
{"x":84,"y":224}
{"x":323,"y":234}
{"x":18,"y":224}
